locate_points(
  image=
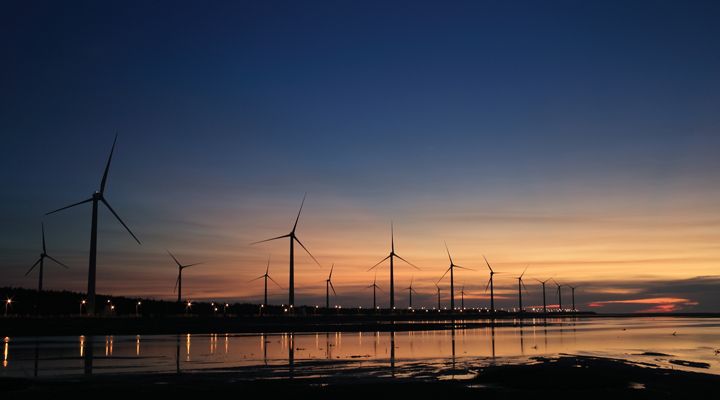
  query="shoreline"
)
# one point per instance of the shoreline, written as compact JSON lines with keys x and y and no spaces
{"x":66,"y":326}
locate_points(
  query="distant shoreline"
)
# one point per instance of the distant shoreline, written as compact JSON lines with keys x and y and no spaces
{"x":62,"y":326}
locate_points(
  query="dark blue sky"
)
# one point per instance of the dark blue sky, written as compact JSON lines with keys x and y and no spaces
{"x":230,"y":110}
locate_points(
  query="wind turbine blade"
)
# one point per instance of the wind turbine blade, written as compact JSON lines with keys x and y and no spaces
{"x":42,"y":226}
{"x":254,"y":279}
{"x":190,"y":265}
{"x":273,"y":280}
{"x":443,"y":275}
{"x":331,"y":271}
{"x":523,"y":285}
{"x":379,"y":262}
{"x":33,"y":267}
{"x":488,"y":264}
{"x":173,"y":257}
{"x":458,"y":266}
{"x":58,"y":262}
{"x":308,"y":251}
{"x":71,"y":205}
{"x":379,"y":288}
{"x":488,"y":285}
{"x":107,"y":166}
{"x":448,"y":253}
{"x":177,"y":282}
{"x":267,"y":270}
{"x":299,"y":211}
{"x":267,"y":240}
{"x":120,"y":220}
{"x":392,"y":238}
{"x":333,"y":288}
{"x":411,"y":264}
{"x":525,"y":270}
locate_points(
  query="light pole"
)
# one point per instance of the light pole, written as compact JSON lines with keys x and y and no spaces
{"x":82,"y":304}
{"x":8,"y":302}
{"x":137,"y":308}
{"x":187,"y":307}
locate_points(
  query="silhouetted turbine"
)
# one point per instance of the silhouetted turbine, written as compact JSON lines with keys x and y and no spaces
{"x":451,"y":269}
{"x":543,"y":290}
{"x":374,"y":286}
{"x":178,"y":282}
{"x":462,"y":297}
{"x":293,"y":239}
{"x":573,"y":296}
{"x":559,"y":294}
{"x":521,"y":286}
{"x":41,"y":261}
{"x":391,"y":256}
{"x":266,"y":276}
{"x":97,"y":197}
{"x":410,"y":291}
{"x":328,"y":286}
{"x":491,"y":285}
{"x":438,"y":295}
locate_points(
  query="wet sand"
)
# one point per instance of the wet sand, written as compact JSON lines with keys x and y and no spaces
{"x":562,"y":377}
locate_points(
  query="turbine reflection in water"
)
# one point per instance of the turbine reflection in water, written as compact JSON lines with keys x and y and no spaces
{"x":509,"y":339}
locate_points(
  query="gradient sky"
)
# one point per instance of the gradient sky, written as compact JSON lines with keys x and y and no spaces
{"x":579,"y":138}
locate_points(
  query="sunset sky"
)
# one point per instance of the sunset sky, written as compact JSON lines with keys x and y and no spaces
{"x":581,"y":139}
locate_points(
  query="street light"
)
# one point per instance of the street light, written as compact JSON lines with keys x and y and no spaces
{"x":8,"y":302}
{"x":82,"y":304}
{"x":137,"y":306}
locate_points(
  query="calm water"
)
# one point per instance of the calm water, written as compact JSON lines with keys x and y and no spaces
{"x":685,"y":339}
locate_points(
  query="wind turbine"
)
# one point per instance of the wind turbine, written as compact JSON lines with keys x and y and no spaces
{"x":462,"y":297}
{"x":491,"y":285}
{"x":559,"y":293}
{"x":438,"y":295}
{"x":375,"y":287}
{"x":293,"y":238}
{"x":573,"y":296}
{"x":178,"y":282}
{"x":97,"y":197}
{"x":391,"y":256}
{"x":410,"y":291}
{"x":328,"y":286}
{"x":451,"y":269}
{"x":543,"y":287}
{"x":41,"y":261}
{"x":521,"y":286}
{"x":266,"y":276}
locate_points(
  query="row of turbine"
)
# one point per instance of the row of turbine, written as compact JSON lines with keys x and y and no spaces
{"x":292,"y":236}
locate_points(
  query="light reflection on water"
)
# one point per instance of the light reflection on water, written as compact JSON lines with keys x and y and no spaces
{"x":691,"y":339}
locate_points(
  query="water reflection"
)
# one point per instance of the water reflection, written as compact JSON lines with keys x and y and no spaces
{"x":296,"y":353}
{"x":6,"y":351}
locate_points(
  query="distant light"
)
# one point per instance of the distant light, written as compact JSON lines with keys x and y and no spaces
{"x":227,"y":305}
{"x":215,"y":308}
{"x":285,"y":310}
{"x":112,"y":307}
{"x":83,"y":302}
{"x":262,"y":305}
{"x":8,"y":301}
{"x":139,"y":302}
{"x":108,"y":301}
